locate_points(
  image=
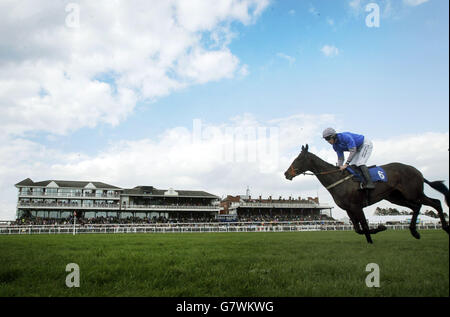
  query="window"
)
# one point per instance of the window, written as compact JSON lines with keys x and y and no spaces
{"x":51,"y":191}
{"x":25,"y":190}
{"x":64,"y":191}
{"x":62,"y":202}
{"x":38,"y":191}
{"x":66,"y":214}
{"x":88,"y":203}
{"x":125,"y":215}
{"x":141,"y":215}
{"x":89,"y":215}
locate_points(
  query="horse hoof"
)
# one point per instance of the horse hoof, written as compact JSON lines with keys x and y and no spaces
{"x":415,"y":234}
{"x":382,"y":227}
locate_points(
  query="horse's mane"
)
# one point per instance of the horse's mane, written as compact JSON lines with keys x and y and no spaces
{"x":322,"y":162}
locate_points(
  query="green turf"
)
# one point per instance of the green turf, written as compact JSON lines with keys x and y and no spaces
{"x":226,"y":264}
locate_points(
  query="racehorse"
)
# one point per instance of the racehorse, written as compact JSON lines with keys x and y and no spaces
{"x":404,"y":187}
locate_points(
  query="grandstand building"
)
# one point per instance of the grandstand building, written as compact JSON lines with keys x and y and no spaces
{"x":246,"y":208}
{"x":55,"y":199}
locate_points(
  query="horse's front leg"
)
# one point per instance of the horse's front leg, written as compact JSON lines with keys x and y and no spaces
{"x":361,"y":218}
{"x":355,"y":223}
{"x":360,"y":224}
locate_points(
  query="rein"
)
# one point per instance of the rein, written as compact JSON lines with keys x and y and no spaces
{"x":324,"y":173}
{"x":321,"y":173}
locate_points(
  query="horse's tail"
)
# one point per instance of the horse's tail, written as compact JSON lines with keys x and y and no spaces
{"x":440,"y":187}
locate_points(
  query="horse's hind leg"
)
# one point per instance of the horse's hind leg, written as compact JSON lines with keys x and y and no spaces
{"x":412,"y":225}
{"x":436,"y":204}
{"x":398,"y":199}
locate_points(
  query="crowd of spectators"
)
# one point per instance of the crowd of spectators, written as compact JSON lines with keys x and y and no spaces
{"x":282,"y":218}
{"x":200,"y":218}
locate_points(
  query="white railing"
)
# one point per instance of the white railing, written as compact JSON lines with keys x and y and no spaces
{"x":191,"y":228}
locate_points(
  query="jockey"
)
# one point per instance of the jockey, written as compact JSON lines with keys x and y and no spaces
{"x":359,"y":147}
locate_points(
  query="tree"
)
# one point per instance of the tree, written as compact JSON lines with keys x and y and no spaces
{"x":390,"y":212}
{"x":431,"y":213}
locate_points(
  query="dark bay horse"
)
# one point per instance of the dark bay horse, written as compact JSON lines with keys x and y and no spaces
{"x":404,"y":187}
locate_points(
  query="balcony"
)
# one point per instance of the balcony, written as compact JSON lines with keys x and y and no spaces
{"x":75,"y":206}
{"x":170,"y":208}
{"x":311,"y":205}
{"x":71,"y":195}
{"x":71,"y":206}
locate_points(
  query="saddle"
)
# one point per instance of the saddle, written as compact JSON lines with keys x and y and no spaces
{"x":377,"y":174}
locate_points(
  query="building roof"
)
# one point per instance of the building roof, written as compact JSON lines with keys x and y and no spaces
{"x":70,"y":184}
{"x":136,"y":191}
{"x":152,"y":191}
{"x":26,"y":182}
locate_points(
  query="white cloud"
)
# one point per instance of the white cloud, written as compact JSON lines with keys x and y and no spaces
{"x":197,"y":66}
{"x":388,"y":9}
{"x":256,"y":155}
{"x":355,"y":4}
{"x":414,"y":2}
{"x":204,"y":157}
{"x":410,"y":149}
{"x":290,"y":59}
{"x":57,"y":79}
{"x":329,"y":50}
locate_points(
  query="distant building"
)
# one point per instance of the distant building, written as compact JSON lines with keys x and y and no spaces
{"x":401,"y":219}
{"x":396,"y":220}
{"x":56,"y":199}
{"x":248,"y":208}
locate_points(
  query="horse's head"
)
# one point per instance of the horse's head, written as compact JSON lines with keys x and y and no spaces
{"x":299,"y":165}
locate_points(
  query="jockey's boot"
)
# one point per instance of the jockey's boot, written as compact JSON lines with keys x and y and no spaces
{"x":365,"y":172}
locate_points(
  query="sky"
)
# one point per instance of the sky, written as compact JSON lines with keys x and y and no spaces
{"x":218,"y":95}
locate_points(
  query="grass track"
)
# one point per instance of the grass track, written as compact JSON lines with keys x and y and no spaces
{"x":226,"y":264}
